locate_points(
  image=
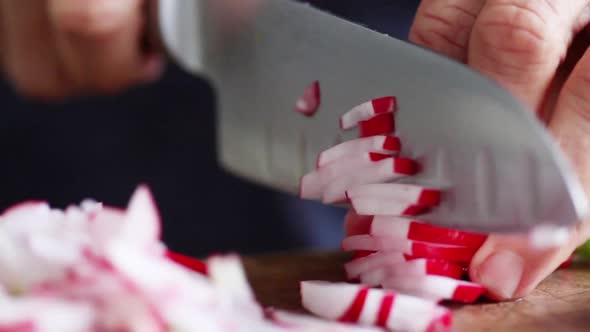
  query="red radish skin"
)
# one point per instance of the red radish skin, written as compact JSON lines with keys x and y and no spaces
{"x":381,"y":124}
{"x":354,"y":311}
{"x":192,"y":264}
{"x":367,"y":111}
{"x":417,"y":267}
{"x":310,"y":102}
{"x":396,"y":227}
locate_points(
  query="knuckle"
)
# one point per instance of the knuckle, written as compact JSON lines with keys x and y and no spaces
{"x":445,"y":30}
{"x":518,"y":31}
{"x":88,"y":18}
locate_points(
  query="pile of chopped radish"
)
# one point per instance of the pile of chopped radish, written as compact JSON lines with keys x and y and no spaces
{"x":403,"y":267}
{"x":93,"y":268}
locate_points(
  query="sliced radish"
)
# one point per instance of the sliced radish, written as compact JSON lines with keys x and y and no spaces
{"x":142,"y":220}
{"x":359,"y":266}
{"x":367,"y":111}
{"x":310,"y":102}
{"x":378,"y":144}
{"x":417,"y":267}
{"x":357,"y":303}
{"x":435,"y":287}
{"x":312,"y":184}
{"x":416,"y":249}
{"x":384,"y":170}
{"x":381,"y":124}
{"x":395,"y":227}
{"x":227,"y":272}
{"x":395,"y":192}
{"x":188,"y":262}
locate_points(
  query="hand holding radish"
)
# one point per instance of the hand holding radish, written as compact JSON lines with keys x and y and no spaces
{"x":539,"y":51}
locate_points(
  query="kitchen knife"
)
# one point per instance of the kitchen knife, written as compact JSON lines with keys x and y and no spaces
{"x":498,"y":167}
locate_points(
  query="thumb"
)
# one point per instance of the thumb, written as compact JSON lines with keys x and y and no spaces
{"x":510,"y":267}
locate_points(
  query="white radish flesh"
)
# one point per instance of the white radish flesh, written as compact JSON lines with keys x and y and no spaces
{"x":394,"y":192}
{"x":435,"y":287}
{"x":378,"y":144}
{"x":358,"y":266}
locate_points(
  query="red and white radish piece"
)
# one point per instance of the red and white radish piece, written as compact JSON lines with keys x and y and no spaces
{"x":384,"y":207}
{"x":357,"y":303}
{"x":396,"y":192}
{"x":415,"y":249}
{"x":367,"y":111}
{"x":358,"y":266}
{"x":310,"y":102}
{"x":381,"y":124}
{"x":435,"y":287}
{"x":395,"y":227}
{"x":384,"y":170}
{"x":312,"y":184}
{"x":416,"y":267}
{"x":378,"y":144}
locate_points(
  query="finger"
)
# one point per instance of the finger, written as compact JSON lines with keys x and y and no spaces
{"x":99,"y":42}
{"x":445,"y":26}
{"x":28,"y":53}
{"x":520,"y":43}
{"x":509,"y":267}
{"x":570,"y":123}
{"x":355,"y":224}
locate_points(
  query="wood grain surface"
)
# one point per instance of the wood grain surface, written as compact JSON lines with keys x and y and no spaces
{"x":560,"y":303}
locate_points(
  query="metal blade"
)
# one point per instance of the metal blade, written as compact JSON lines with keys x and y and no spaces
{"x":499,"y":167}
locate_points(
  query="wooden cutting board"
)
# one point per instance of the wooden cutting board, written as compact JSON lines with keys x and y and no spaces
{"x":560,"y":303}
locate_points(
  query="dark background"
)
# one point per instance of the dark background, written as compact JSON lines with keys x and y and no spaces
{"x":163,"y":135}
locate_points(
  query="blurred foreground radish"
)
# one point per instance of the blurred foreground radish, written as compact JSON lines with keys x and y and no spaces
{"x":92,"y":268}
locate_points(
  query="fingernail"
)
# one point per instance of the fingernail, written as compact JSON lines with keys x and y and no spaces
{"x":501,"y":273}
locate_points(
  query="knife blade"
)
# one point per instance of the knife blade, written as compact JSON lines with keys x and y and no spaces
{"x":499,"y":168}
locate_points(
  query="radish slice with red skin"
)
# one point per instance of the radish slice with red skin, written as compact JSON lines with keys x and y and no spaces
{"x":312,"y":184}
{"x":384,"y":170}
{"x":395,"y":192}
{"x":381,"y":124}
{"x":416,"y":249}
{"x":227,"y":272}
{"x":417,"y":267}
{"x":395,"y":227}
{"x":190,"y":263}
{"x":396,"y":312}
{"x":436,"y":287}
{"x":368,"y":110}
{"x":359,"y":266}
{"x":310,"y":102}
{"x":379,"y":144}
{"x":142,"y":220}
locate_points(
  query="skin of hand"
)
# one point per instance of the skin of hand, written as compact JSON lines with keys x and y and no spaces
{"x":53,"y":49}
{"x":538,"y":50}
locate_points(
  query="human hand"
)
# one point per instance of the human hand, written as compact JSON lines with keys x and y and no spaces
{"x":537,"y":49}
{"x":54,"y":49}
